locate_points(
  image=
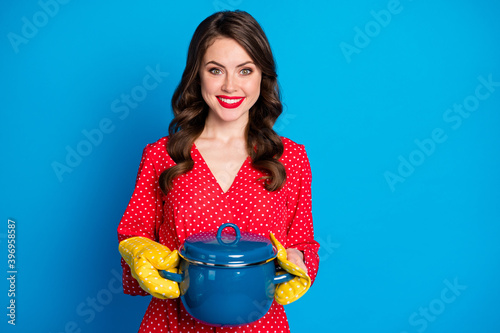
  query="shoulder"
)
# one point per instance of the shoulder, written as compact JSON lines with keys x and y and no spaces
{"x":289,"y":142}
{"x":296,"y":163}
{"x":292,"y":150}
{"x":156,"y":153}
{"x":159,"y":146}
{"x":294,"y":159}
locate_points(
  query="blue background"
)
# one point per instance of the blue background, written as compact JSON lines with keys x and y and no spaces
{"x":418,"y":253}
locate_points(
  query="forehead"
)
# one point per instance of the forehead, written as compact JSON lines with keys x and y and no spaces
{"x":223,"y":49}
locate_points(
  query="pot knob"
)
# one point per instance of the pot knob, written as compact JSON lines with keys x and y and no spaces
{"x":224,"y":226}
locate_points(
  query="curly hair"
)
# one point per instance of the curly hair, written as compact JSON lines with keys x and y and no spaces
{"x":264,"y":145}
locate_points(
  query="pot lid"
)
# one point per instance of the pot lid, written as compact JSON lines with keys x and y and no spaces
{"x":225,"y":249}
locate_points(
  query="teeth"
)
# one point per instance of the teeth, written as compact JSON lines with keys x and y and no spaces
{"x":230,"y":101}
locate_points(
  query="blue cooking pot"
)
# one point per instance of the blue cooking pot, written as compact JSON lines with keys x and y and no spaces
{"x":227,"y":279}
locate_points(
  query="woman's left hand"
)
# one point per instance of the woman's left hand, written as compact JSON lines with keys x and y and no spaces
{"x":296,"y":257}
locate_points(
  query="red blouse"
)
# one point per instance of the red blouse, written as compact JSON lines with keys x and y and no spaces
{"x":197,"y":203}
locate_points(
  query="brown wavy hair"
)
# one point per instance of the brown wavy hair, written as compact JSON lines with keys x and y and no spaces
{"x":264,"y":146}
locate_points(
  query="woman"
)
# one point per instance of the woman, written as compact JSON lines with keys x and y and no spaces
{"x":222,"y":162}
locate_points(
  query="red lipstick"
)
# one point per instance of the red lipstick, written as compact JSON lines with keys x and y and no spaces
{"x":230,"y":102}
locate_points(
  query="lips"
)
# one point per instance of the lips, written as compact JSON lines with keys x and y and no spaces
{"x":230,"y":102}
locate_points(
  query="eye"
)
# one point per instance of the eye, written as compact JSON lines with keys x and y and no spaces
{"x":215,"y":71}
{"x":246,"y":71}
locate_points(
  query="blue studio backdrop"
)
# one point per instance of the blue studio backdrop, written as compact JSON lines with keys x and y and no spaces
{"x":396,"y":101}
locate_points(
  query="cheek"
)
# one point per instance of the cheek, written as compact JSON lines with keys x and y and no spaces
{"x":205,"y":84}
{"x":208,"y":88}
{"x":253,"y":87}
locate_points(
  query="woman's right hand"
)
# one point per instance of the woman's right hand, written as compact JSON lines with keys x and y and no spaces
{"x":145,"y":258}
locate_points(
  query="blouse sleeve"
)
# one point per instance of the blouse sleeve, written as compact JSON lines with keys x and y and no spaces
{"x":300,"y":233}
{"x":143,"y":214}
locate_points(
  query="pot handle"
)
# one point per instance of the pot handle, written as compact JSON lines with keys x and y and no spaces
{"x":283,"y":278}
{"x":224,"y":226}
{"x":172,"y":276}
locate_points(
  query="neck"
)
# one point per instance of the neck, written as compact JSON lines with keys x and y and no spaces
{"x":224,"y":131}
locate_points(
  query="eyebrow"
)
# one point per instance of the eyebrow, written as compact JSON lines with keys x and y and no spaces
{"x":220,"y":65}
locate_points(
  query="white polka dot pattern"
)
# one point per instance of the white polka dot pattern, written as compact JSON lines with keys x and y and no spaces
{"x":145,"y":258}
{"x":288,"y":292}
{"x":197,"y":203}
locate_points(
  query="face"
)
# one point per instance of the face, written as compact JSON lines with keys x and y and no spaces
{"x":230,"y":81}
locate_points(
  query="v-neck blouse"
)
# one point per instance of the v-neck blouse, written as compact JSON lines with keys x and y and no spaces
{"x":197,"y":203}
{"x":201,"y":160}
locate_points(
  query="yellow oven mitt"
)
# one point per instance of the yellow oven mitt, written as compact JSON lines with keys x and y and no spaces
{"x":288,"y":292}
{"x":145,"y":257}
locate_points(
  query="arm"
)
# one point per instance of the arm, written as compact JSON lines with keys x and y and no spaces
{"x":142,"y":216}
{"x":300,"y":233}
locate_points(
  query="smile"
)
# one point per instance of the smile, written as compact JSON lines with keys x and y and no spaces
{"x":229,"y":102}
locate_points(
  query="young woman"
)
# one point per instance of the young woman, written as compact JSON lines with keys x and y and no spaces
{"x":222,"y":162}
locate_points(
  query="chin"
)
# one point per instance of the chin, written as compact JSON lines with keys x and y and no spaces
{"x":230,"y":115}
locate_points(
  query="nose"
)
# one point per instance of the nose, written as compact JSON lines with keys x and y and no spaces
{"x":229,"y":84}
